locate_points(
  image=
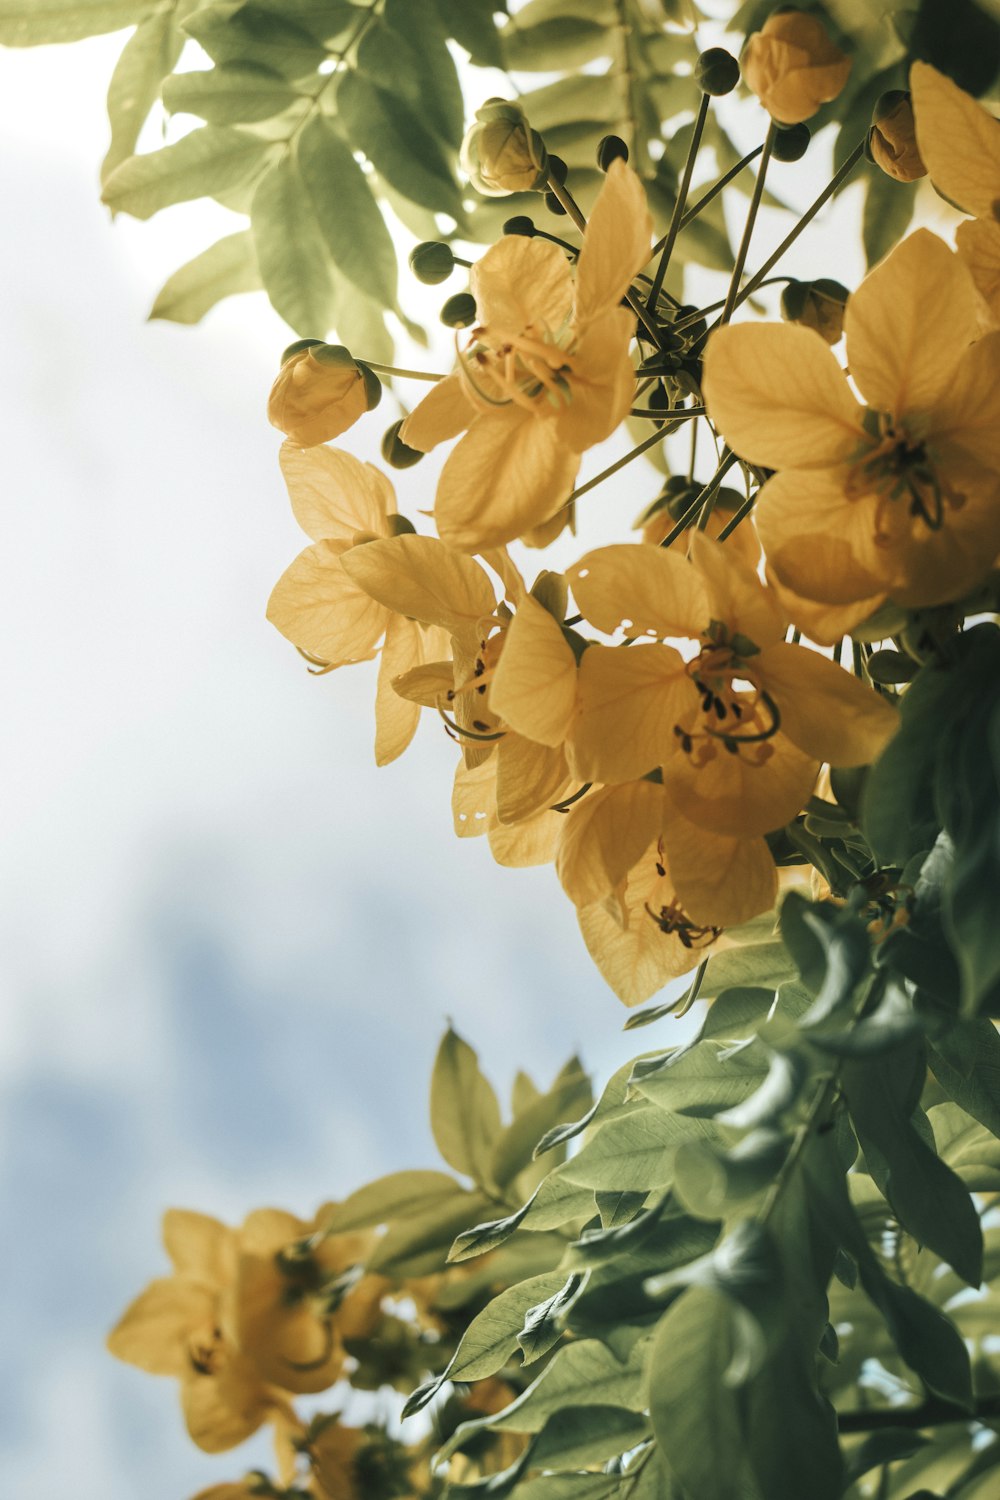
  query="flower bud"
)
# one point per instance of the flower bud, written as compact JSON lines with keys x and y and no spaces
{"x":791,"y":143}
{"x":320,"y":392}
{"x":816,"y":304}
{"x":520,"y":224}
{"x":395,"y":452}
{"x":892,"y":140}
{"x":459,"y":311}
{"x":501,"y":153}
{"x":717,"y":72}
{"x":553,"y":205}
{"x":793,"y":67}
{"x":610,"y":148}
{"x":431,"y":262}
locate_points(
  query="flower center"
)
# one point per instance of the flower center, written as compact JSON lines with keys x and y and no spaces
{"x":672,"y":921}
{"x":531,"y":369}
{"x":206,"y":1351}
{"x":734,"y":712}
{"x":909,"y":487}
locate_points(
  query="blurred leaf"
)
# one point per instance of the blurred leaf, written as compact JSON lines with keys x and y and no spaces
{"x":465,"y":1115}
{"x":223,"y":270}
{"x":406,"y":51}
{"x":400,"y":1195}
{"x":966,"y":1062}
{"x":208,"y":161}
{"x":149,"y":55}
{"x":28,"y":23}
{"x":230,"y":94}
{"x":888,"y":210}
{"x":471,"y":23}
{"x":253,"y":33}
{"x":580,"y":1435}
{"x":564,"y":43}
{"x":398,"y":146}
{"x":418,"y":1245}
{"x":348,"y":217}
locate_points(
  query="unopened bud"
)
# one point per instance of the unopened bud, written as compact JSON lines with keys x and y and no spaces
{"x":716,"y":72}
{"x":432,"y":261}
{"x":501,"y":153}
{"x":395,"y":452}
{"x":320,"y":391}
{"x":553,"y":205}
{"x":610,"y":148}
{"x":892,"y":139}
{"x":520,"y":224}
{"x":816,"y":304}
{"x":459,"y":311}
{"x":558,"y":169}
{"x":793,"y":67}
{"x":791,"y":143}
{"x":400,"y":525}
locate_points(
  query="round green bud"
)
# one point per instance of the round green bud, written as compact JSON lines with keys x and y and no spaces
{"x":520,"y":224}
{"x":692,"y":331}
{"x":553,"y":205}
{"x":297,"y":348}
{"x":558,"y":169}
{"x":818,"y":305}
{"x":610,"y":148}
{"x":335,"y":356}
{"x":888,"y":668}
{"x":790,"y":142}
{"x":431,"y":262}
{"x":459,"y":311}
{"x":717,"y":72}
{"x":397,"y":454}
{"x":373,"y":386}
{"x":401,"y":525}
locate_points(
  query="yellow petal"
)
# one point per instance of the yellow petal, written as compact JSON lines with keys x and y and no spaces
{"x":474,"y":798}
{"x":200,"y":1247}
{"x":319,"y":607}
{"x":470,"y":708}
{"x":154,"y":1330}
{"x":420,"y":577}
{"x":616,"y":244}
{"x":817,"y":542}
{"x":529,"y":778}
{"x":223,"y":1409}
{"x":520,"y":281}
{"x":743,"y":793}
{"x":427,"y":685}
{"x":909,"y":323}
{"x":637,"y":959}
{"x":534,"y":687}
{"x":522,"y":845}
{"x":602,"y":384}
{"x":826,"y":624}
{"x":779,"y":398}
{"x":720,"y":881}
{"x":333,"y":495}
{"x":736,"y":596}
{"x":629,"y":702}
{"x":643,"y":590}
{"x":499,"y":559}
{"x":509,"y":473}
{"x":604,"y":836}
{"x":442,"y":414}
{"x":957,"y":140}
{"x":264,"y":1231}
{"x":978,"y":242}
{"x":825,"y":710}
{"x":407,"y":646}
{"x":966,"y":421}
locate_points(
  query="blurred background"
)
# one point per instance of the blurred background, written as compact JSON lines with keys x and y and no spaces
{"x":228,"y":943}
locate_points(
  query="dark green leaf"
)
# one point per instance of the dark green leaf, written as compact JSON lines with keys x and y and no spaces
{"x":397,"y":144}
{"x":966,"y":1063}
{"x":471,"y":23}
{"x":291,"y":252}
{"x":255,"y":34}
{"x":407,"y":52}
{"x":224,"y":269}
{"x":356,"y":236}
{"x":564,"y":43}
{"x":580,"y":1435}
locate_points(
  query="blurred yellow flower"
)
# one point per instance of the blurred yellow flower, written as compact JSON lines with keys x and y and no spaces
{"x":792,"y":66}
{"x":320,"y":391}
{"x":545,"y":374}
{"x":900,"y":500}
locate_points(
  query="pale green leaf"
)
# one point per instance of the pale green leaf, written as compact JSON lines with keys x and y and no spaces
{"x":34,"y":23}
{"x":465,"y":1116}
{"x":291,"y":252}
{"x":397,"y":144}
{"x":208,"y":161}
{"x":400,"y":1195}
{"x":229,"y":94}
{"x":355,"y":233}
{"x":223,"y":270}
{"x":149,"y":55}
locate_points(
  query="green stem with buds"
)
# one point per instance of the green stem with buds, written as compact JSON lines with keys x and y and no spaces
{"x":682,"y":192}
{"x":741,"y":254}
{"x":700,"y":500}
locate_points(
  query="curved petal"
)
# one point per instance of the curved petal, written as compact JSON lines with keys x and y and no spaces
{"x":333,"y":494}
{"x":637,"y":958}
{"x":826,"y":624}
{"x":530,"y":778}
{"x":720,"y":881}
{"x":630,"y":700}
{"x":154,"y":1330}
{"x":520,"y":282}
{"x":510,"y":472}
{"x":604,"y":836}
{"x":817,"y":542}
{"x":616,"y":244}
{"x":744,"y":793}
{"x":523,"y":845}
{"x":978,"y":242}
{"x":200,"y":1247}
{"x":958,"y":141}
{"x":407,"y":646}
{"x":904,"y":340}
{"x":421,"y":577}
{"x":779,"y":397}
{"x":318,"y":607}
{"x":474,"y":797}
{"x":967,"y":419}
{"x":221,"y":1410}
{"x":736,"y":596}
{"x":534,"y":686}
{"x":602,"y":383}
{"x":825,"y":710}
{"x":442,"y":414}
{"x":644,"y":590}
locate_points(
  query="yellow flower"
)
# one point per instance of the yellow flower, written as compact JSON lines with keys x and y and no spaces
{"x":501,"y":153}
{"x":545,"y":374}
{"x":900,"y":500}
{"x":793,"y":67}
{"x":182,"y":1325}
{"x":320,"y":392}
{"x":317,"y":605}
{"x":958,"y":141}
{"x":740,"y":727}
{"x":892,"y":139}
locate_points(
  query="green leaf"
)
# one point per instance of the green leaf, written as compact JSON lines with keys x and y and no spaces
{"x":205,"y":163}
{"x":888,"y":210}
{"x":418,"y":1245}
{"x":705,"y":1079}
{"x":515,"y":1147}
{"x":766,"y":962}
{"x":465,"y":1115}
{"x":255,"y":34}
{"x":230,"y":94}
{"x":580,"y":1435}
{"x":635,"y":1152}
{"x":710,"y":1183}
{"x":543,"y":1327}
{"x":883,"y":1447}
{"x":564,"y":43}
{"x":400,"y":1195}
{"x":581,"y":1373}
{"x":223,"y":270}
{"x":966,"y":1063}
{"x":349,"y":220}
{"x":291,"y":251}
{"x":693,"y":1408}
{"x":471,"y":24}
{"x":406,"y":51}
{"x":584,"y":95}
{"x":492,"y":1337}
{"x":149,"y":55}
{"x":34,"y":23}
{"x":929,"y":1200}
{"x":397,"y":144}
